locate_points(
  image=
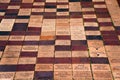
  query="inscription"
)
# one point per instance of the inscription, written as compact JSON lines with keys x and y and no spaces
{"x":24,"y":75}
{"x":81,"y":67}
{"x":62,"y":67}
{"x":82,"y":74}
{"x":30,"y":48}
{"x":7,"y":75}
{"x":63,"y":74}
{"x":100,"y":67}
{"x":44,"y":67}
{"x":114,"y":60}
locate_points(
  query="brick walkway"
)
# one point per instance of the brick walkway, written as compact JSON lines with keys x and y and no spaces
{"x":59,"y":40}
